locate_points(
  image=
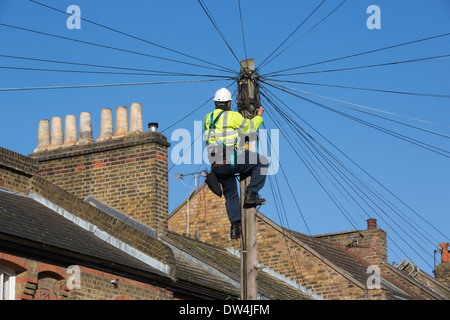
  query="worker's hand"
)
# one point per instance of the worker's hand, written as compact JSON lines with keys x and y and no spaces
{"x":260,"y":111}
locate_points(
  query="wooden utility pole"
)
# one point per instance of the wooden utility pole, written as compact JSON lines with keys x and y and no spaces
{"x":246,"y":106}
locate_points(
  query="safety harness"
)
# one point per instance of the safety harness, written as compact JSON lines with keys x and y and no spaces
{"x":212,"y":126}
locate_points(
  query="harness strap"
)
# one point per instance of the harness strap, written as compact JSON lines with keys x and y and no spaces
{"x":213,"y":127}
{"x":213,"y":121}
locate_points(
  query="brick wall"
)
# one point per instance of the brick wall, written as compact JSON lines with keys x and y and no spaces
{"x":442,"y":273}
{"x":297,"y":260}
{"x":15,"y":170}
{"x":43,"y":280}
{"x":209,"y":222}
{"x":369,"y":245}
{"x":39,"y":279}
{"x":128,"y":174}
{"x":20,"y":173}
{"x":299,"y":263}
{"x":122,"y":231}
{"x":202,"y":207}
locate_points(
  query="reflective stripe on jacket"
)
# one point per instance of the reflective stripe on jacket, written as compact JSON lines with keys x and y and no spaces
{"x":228,"y":127}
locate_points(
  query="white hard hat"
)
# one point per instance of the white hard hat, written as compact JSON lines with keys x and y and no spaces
{"x":222,"y":95}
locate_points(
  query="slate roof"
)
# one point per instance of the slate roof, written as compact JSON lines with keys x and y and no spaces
{"x":229,"y":265}
{"x":23,"y":219}
{"x":203,"y":265}
{"x":346,"y":262}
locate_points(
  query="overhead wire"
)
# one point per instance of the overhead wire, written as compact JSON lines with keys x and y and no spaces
{"x":106,"y":85}
{"x":377,"y":110}
{"x":111,"y":73}
{"x":311,"y":29}
{"x":446,"y":56}
{"x":303,"y":156}
{"x":108,"y":47}
{"x":242,"y":29}
{"x":365,"y":172}
{"x":163,"y":73}
{"x":195,"y":110}
{"x":361,"y":53}
{"x":170,"y":169}
{"x":289,"y":231}
{"x":216,"y":26}
{"x":391,"y":207}
{"x":131,"y":36}
{"x":291,"y":34}
{"x":300,"y":155}
{"x":345,"y":104}
{"x":284,"y":222}
{"x":273,"y":74}
{"x":157,"y":181}
{"x":348,"y":183}
{"x":413,"y":141}
{"x":283,"y":217}
{"x":127,"y":217}
{"x":317,"y":178}
{"x":431,"y":95}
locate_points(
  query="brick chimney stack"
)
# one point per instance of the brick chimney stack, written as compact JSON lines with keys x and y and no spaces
{"x":445,"y":254}
{"x":126,"y":170}
{"x":369,"y":245}
{"x":442,"y":271}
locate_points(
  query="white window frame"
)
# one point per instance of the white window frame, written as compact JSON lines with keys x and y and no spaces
{"x":7,"y":284}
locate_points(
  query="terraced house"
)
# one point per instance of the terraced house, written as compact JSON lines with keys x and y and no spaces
{"x":85,"y":219}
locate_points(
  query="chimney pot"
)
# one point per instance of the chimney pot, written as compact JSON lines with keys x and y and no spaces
{"x":121,"y":122}
{"x":371,"y":224}
{"x":43,"y":135}
{"x":56,"y":136}
{"x":153,"y":126}
{"x":106,"y":125}
{"x":445,"y":254}
{"x":136,"y":122}
{"x":85,"y":128}
{"x":70,"y":132}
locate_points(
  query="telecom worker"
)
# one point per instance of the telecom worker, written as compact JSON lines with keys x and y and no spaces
{"x":224,"y":132}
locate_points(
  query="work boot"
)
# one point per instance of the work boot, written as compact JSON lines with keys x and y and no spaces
{"x":235,"y":230}
{"x":253,"y":199}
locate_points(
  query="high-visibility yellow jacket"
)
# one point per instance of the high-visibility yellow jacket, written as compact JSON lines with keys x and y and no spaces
{"x":229,"y":126}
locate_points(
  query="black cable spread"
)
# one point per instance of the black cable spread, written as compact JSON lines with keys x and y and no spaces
{"x":292,"y":33}
{"x":104,"y":85}
{"x":363,"y":67}
{"x":132,"y":36}
{"x":308,"y":148}
{"x":106,"y":46}
{"x":363,"y":53}
{"x":446,"y":96}
{"x":311,"y":29}
{"x":210,"y":17}
{"x":413,"y":141}
{"x":242,"y":29}
{"x":305,"y":138}
{"x":391,"y":207}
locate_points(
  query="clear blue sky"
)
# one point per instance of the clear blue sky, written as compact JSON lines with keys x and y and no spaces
{"x":418,"y":177}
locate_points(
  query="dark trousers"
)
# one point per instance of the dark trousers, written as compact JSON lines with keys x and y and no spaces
{"x":248,"y":164}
